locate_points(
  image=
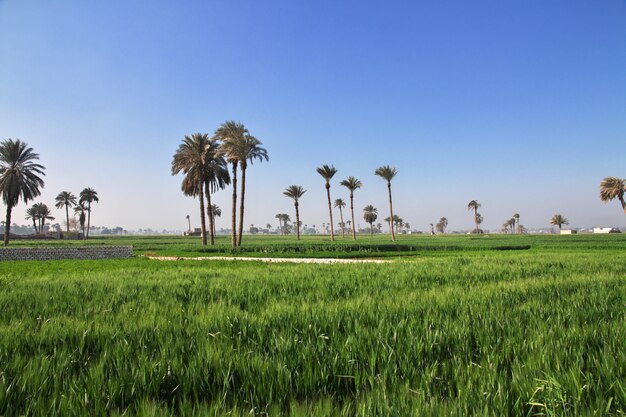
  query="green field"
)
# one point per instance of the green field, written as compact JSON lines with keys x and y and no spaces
{"x":453,"y":325}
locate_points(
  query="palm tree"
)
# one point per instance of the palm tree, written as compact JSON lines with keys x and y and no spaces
{"x":370,"y":214}
{"x":295,"y":192}
{"x":474,"y":205}
{"x":327,"y":172}
{"x":558,"y":220}
{"x":67,"y":199}
{"x":189,"y":222}
{"x":88,"y":195}
{"x":190,"y":159}
{"x":43,"y":214}
{"x":252,"y":150}
{"x":387,"y":173}
{"x":516,"y":218}
{"x":80,"y":209}
{"x":432,"y":229}
{"x":216,"y":178}
{"x":441,"y":225}
{"x":216,"y":211}
{"x":352,"y":184}
{"x":340,"y":204}
{"x":32,"y":214}
{"x":19,"y":177}
{"x":611,"y":188}
{"x":479,"y":220}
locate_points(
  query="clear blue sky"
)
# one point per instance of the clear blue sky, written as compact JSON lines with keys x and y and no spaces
{"x":520,"y":105}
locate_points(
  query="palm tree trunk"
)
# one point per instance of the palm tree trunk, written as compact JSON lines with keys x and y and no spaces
{"x":393,"y":235}
{"x":371,"y":230}
{"x":67,"y":217}
{"x":35,"y":225}
{"x":241,"y":202}
{"x":207,"y":190}
{"x":214,"y":233}
{"x":352,"y":210}
{"x":202,"y":219}
{"x":476,"y":219}
{"x":88,"y":218}
{"x":234,"y":208}
{"x":297,"y":222}
{"x":330,"y":211}
{"x":7,"y":225}
{"x":343,"y":229}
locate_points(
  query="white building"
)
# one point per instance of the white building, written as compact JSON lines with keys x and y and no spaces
{"x":606,"y":230}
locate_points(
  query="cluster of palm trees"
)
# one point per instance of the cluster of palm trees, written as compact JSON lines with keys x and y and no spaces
{"x":512,"y":224}
{"x":478,"y":218}
{"x":327,"y":172}
{"x":39,"y":213}
{"x":204,"y":162}
{"x":440,"y":226}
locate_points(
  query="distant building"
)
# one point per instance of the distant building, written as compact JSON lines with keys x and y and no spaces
{"x":568,"y":232}
{"x":606,"y":230}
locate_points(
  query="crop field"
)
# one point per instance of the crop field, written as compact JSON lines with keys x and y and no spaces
{"x":451,"y":326}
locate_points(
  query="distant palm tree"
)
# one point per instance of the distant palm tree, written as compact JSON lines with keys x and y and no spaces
{"x":88,"y":195}
{"x":387,"y":173}
{"x":611,"y":188}
{"x":188,"y":221}
{"x":80,"y":209}
{"x":441,"y":225}
{"x":19,"y":177}
{"x":67,"y":199}
{"x":432,"y":229}
{"x":352,"y":184}
{"x":32,"y":214}
{"x":43,"y":214}
{"x":340,"y":204}
{"x":295,"y":192}
{"x":516,"y":217}
{"x":327,"y":172}
{"x":479,"y":220}
{"x":216,"y":211}
{"x":474,"y":205}
{"x":370,"y":214}
{"x":558,"y":220}
{"x":190,"y":159}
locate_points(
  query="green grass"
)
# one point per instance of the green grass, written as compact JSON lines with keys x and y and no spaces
{"x":458,"y":329}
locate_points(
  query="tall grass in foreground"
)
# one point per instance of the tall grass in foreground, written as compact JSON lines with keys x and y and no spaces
{"x":488,"y":334}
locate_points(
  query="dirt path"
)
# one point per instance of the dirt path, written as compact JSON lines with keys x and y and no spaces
{"x":272,"y":260}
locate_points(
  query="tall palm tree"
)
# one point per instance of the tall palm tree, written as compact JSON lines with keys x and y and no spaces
{"x":352,"y":184}
{"x":516,"y":218}
{"x":190,"y":159}
{"x":558,"y":220}
{"x":88,"y":195}
{"x":611,"y":188}
{"x":370,"y":214}
{"x":474,"y":205}
{"x":251,"y":150}
{"x":216,"y":211}
{"x":67,"y":199}
{"x":295,"y":192}
{"x":387,"y":173}
{"x":20,"y":177}
{"x":216,"y":178}
{"x":340,"y":204}
{"x":327,"y":172}
{"x":80,"y":209}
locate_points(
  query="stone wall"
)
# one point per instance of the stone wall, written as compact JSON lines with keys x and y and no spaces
{"x":65,"y":252}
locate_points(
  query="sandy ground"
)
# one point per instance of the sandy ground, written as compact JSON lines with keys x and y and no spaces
{"x":272,"y":260}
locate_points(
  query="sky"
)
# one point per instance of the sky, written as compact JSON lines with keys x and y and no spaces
{"x":519,"y":105}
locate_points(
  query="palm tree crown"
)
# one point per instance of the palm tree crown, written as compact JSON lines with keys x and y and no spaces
{"x":327,"y":172}
{"x":612,"y":188}
{"x":558,"y":220}
{"x":20,"y":177}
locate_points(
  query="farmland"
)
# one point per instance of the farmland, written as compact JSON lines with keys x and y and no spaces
{"x":453,"y":325}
